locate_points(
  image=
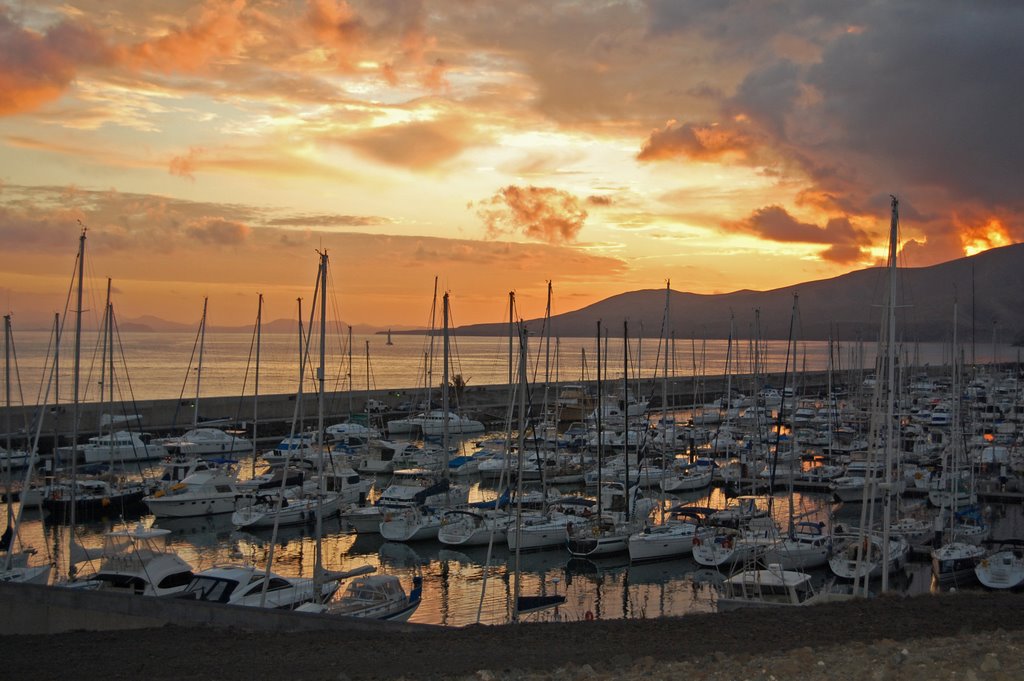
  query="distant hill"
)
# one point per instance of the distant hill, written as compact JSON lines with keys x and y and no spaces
{"x":149,"y":323}
{"x":989,"y":287}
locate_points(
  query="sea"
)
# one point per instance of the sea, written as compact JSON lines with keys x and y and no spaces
{"x":169,"y":365}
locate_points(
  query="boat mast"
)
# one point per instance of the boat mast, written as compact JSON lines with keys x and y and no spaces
{"x":351,"y":389}
{"x":199,"y":368}
{"x":600,"y":435}
{"x":321,"y":375}
{"x":625,"y":416}
{"x":75,"y":406}
{"x":256,"y":390}
{"x":445,"y":400}
{"x":517,"y":588}
{"x":890,"y":386}
{"x":7,"y":429}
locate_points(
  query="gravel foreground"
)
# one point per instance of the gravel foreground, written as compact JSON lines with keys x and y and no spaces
{"x":950,"y":636}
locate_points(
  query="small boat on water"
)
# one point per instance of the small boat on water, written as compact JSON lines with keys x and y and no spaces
{"x":379,"y":597}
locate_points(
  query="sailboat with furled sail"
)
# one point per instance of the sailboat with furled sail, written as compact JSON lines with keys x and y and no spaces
{"x":866,"y":552}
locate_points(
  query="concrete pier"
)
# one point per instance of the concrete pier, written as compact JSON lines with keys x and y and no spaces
{"x":487,"y":403}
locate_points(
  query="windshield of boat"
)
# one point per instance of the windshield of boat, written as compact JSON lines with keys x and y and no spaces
{"x":211,"y":588}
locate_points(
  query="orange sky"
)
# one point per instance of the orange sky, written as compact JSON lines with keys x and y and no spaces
{"x":211,"y":147}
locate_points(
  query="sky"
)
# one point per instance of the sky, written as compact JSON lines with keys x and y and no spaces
{"x":211,"y":148}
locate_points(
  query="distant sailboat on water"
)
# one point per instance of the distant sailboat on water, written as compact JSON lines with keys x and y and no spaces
{"x":389,"y":338}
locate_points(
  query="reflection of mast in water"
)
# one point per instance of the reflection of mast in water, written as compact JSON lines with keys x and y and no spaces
{"x":445,"y":591}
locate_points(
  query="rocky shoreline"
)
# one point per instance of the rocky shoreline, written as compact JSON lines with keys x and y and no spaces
{"x":961,"y":636}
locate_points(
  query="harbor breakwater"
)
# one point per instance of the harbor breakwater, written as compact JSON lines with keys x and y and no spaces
{"x":275,"y":413}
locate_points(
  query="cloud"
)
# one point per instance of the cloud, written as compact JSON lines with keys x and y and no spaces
{"x":538,"y":213}
{"x":774,"y":223}
{"x":699,"y":142}
{"x":36,"y":68}
{"x":417,"y":146}
{"x":217,"y":230}
{"x":219,"y":31}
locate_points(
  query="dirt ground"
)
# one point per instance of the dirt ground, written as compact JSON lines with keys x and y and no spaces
{"x":969,"y":635}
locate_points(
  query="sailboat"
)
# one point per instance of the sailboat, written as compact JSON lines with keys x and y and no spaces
{"x":621,"y":508}
{"x":204,"y":440}
{"x":14,"y":566}
{"x":959,"y":553}
{"x":866,"y":552}
{"x":414,"y":523}
{"x":389,"y":338}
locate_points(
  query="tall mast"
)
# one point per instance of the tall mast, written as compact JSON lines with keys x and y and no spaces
{"x":199,"y":369}
{"x":75,"y":408}
{"x":321,"y":374}
{"x":890,"y":386}
{"x":7,"y":426}
{"x":600,"y":435}
{"x":519,"y":477}
{"x":256,"y":390}
{"x":350,"y":386}
{"x":444,"y":390}
{"x":625,"y":413}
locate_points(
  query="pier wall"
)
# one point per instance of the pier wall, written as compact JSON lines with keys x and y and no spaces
{"x":33,"y":609}
{"x":487,"y":403}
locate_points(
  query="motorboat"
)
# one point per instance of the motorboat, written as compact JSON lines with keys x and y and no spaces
{"x":347,"y":429}
{"x":435,"y":422}
{"x":207,"y":492}
{"x":206,"y":442}
{"x":294,"y":449}
{"x":771,"y":587}
{"x":134,"y":561}
{"x":244,"y":585}
{"x":120,"y":447}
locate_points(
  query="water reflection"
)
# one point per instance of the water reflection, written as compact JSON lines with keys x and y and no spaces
{"x":476,"y":584}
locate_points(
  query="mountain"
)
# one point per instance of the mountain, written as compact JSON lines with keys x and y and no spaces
{"x":988,"y":286}
{"x":156,"y":324}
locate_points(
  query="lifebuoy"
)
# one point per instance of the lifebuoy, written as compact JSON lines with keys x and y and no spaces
{"x":727,"y":543}
{"x":696,"y":541}
{"x":589,"y":616}
{"x":56,"y":495}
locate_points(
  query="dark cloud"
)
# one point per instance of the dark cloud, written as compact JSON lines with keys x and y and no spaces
{"x":776,"y":224}
{"x":539,"y":213}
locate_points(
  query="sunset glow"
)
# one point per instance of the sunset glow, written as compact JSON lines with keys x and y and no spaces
{"x":210,"y":147}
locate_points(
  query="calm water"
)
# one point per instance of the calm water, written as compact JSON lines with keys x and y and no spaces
{"x":157,"y":365}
